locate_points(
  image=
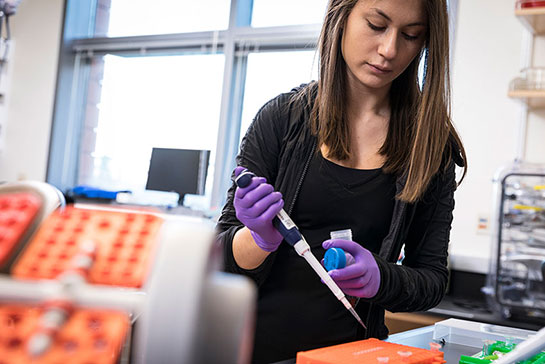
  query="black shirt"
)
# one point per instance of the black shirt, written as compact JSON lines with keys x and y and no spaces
{"x":295,"y":310}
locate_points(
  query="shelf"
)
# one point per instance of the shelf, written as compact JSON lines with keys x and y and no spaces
{"x":533,"y":19}
{"x":534,"y":98}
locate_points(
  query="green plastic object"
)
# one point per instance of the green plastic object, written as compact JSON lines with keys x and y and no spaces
{"x":500,"y":346}
{"x":491,"y":357}
{"x":489,"y":354}
{"x":472,"y":360}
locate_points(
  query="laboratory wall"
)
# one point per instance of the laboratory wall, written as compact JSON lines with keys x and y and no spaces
{"x":32,"y":70}
{"x":488,"y":54}
{"x":535,"y":151}
{"x":490,"y":49}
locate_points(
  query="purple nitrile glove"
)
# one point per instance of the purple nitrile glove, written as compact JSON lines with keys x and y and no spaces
{"x":256,"y":205}
{"x":360,"y":279}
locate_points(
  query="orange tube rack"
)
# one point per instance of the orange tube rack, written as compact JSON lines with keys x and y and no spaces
{"x":88,"y":336}
{"x":125,"y":244}
{"x":17,"y":213}
{"x":370,"y":351}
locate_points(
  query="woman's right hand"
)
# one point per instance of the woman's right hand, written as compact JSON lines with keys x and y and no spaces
{"x":256,"y":205}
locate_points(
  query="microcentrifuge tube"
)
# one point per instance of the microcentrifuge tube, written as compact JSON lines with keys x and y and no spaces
{"x":337,"y":258}
{"x":405,"y":356}
{"x":435,"y":346}
{"x":345,"y":234}
{"x":486,"y":346}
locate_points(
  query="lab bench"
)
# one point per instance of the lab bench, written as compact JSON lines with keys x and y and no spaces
{"x":464,"y":300}
{"x":459,"y":309}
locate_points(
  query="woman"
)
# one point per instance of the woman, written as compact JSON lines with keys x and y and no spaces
{"x":362,"y":148}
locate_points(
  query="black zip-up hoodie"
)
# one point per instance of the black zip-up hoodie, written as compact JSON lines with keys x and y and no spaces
{"x":279,"y":145}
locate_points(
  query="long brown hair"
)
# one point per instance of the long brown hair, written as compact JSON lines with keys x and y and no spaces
{"x":420,"y":123}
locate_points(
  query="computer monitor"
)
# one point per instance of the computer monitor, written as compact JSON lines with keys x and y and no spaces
{"x":179,"y":170}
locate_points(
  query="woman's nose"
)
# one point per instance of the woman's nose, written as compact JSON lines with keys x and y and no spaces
{"x":388,"y":45}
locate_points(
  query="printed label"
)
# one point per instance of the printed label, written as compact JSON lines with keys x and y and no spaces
{"x":285,"y":219}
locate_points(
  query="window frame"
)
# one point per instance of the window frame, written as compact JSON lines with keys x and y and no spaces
{"x":79,"y":45}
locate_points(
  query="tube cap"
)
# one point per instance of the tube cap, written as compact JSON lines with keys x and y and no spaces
{"x":334,"y":258}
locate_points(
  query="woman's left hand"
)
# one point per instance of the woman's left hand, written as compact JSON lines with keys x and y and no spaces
{"x":360,"y":279}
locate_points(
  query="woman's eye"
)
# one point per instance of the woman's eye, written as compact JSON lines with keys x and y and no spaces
{"x":410,"y":37}
{"x":375,"y":27}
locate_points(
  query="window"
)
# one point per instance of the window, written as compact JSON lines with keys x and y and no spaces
{"x":267,"y":13}
{"x":121,"y":18}
{"x":137,"y":74}
{"x":291,"y":69}
{"x":147,"y":102}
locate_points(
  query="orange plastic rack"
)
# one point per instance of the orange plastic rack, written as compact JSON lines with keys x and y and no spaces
{"x":17,"y":213}
{"x":88,"y":337}
{"x":370,"y":351}
{"x":125,"y":243}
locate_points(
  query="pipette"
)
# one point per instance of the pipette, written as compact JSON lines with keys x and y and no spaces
{"x":287,"y":228}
